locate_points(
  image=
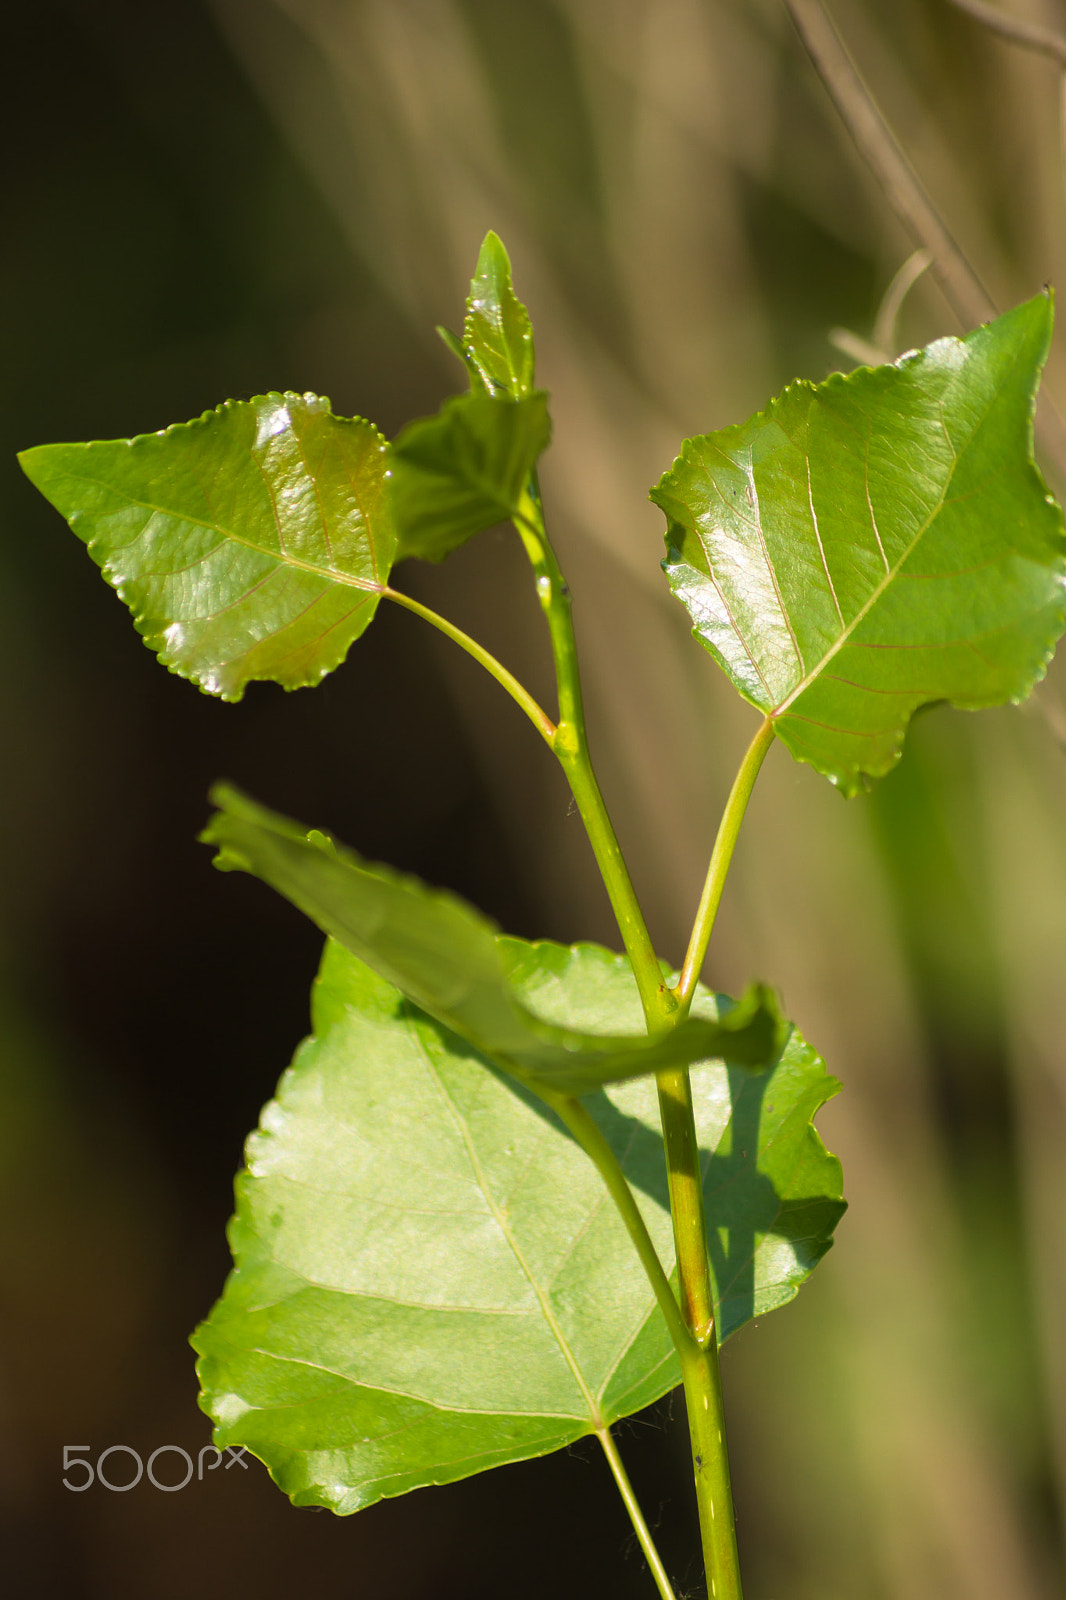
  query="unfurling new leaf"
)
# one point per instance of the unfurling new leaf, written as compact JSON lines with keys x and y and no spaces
{"x":462,"y":471}
{"x":875,"y":542}
{"x":497,"y":333}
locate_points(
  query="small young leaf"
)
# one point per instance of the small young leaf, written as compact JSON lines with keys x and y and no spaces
{"x":497,"y":332}
{"x":253,"y":542}
{"x":464,"y":470}
{"x":429,"y":1279}
{"x":445,"y":957}
{"x":876,"y":542}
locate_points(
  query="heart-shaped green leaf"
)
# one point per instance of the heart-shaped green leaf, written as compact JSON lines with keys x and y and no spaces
{"x":253,"y":542}
{"x":464,"y":470}
{"x":446,"y":957}
{"x":429,"y":1278}
{"x":875,"y":542}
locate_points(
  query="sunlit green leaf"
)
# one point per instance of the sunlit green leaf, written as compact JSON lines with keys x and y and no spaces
{"x":444,"y":955}
{"x":497,"y":332}
{"x":250,"y":543}
{"x":875,"y":542}
{"x":429,"y":1277}
{"x":464,"y":470}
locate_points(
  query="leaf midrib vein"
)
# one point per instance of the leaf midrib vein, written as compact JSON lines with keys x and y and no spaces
{"x":865,"y":609}
{"x":331,"y":573}
{"x":516,"y":1249}
{"x":385,"y":1388}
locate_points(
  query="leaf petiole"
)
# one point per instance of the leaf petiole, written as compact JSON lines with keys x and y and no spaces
{"x":570,"y":744}
{"x":507,"y":680}
{"x":699,"y":1366}
{"x":636,"y":1516}
{"x":579,"y":1122}
{"x":718,"y":869}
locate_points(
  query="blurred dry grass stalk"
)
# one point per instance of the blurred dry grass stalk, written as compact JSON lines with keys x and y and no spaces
{"x":902,"y":1431}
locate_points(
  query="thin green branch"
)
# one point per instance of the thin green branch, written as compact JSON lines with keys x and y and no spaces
{"x":710,"y":1464}
{"x":580,"y":1123}
{"x":699,"y":1366}
{"x":699,"y":1363}
{"x":539,"y":718}
{"x":702,"y":1380}
{"x":685,"y":1179}
{"x":636,"y":1516}
{"x":691,"y":1329}
{"x":570,"y":744}
{"x":721,"y":856}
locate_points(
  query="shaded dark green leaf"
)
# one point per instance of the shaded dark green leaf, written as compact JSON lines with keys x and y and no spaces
{"x":445,"y":956}
{"x":873,"y":543}
{"x":429,"y":1279}
{"x":253,"y":542}
{"x":464,"y":470}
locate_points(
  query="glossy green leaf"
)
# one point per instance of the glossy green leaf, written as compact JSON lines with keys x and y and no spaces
{"x":253,"y":542}
{"x":429,"y":1277}
{"x":875,"y":542}
{"x":445,"y":956}
{"x":497,"y":332}
{"x":464,"y":470}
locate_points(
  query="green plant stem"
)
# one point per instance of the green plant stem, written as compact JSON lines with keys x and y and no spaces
{"x":539,"y":718}
{"x":686,"y":1200}
{"x":577,"y":1119}
{"x":692,"y":1327}
{"x":699,"y":1366}
{"x":721,"y":856}
{"x":710,"y":1464}
{"x":570,"y":744}
{"x":636,"y":1516}
{"x":699,"y":1363}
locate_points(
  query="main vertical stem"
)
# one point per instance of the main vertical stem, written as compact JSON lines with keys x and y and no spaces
{"x":699,"y":1365}
{"x":696,"y":1342}
{"x":710,"y":1462}
{"x":570,"y":744}
{"x":699,"y":1368}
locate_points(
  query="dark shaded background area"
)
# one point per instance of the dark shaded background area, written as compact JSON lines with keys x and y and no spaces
{"x":207,"y":202}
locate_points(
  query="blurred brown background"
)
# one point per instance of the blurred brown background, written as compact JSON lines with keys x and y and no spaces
{"x":216,"y":197}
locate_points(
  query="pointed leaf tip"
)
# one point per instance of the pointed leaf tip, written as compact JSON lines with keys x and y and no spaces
{"x":497,"y":332}
{"x":877,"y":542}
